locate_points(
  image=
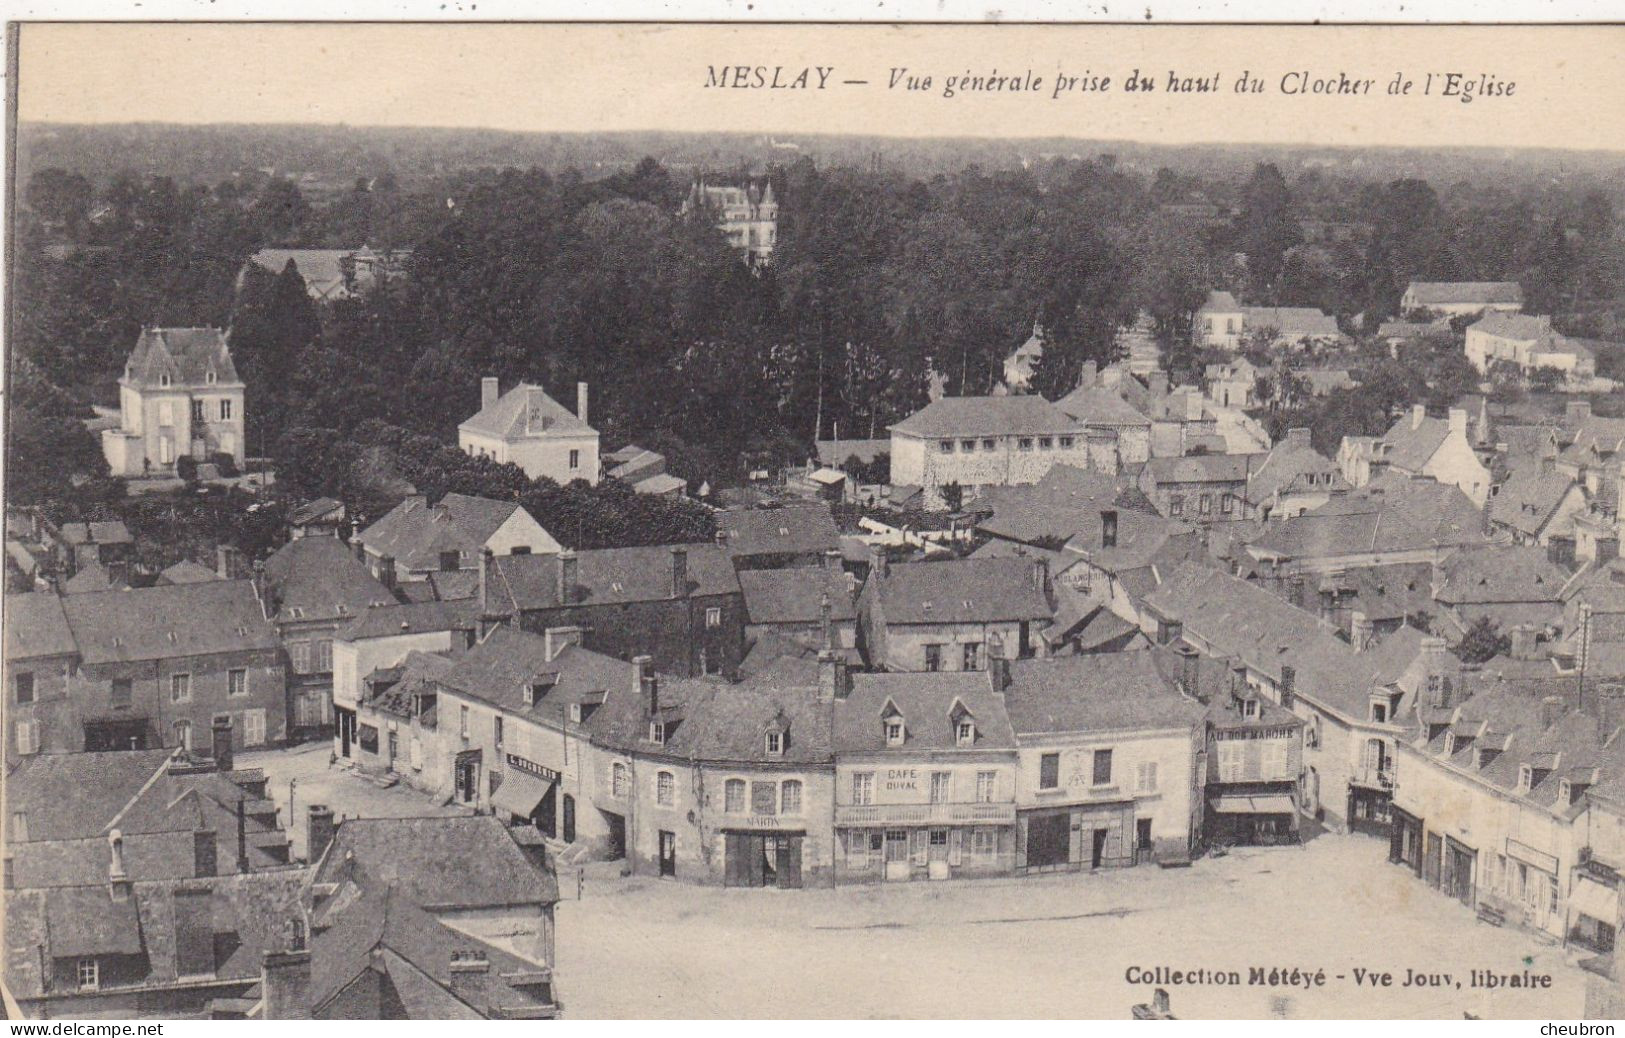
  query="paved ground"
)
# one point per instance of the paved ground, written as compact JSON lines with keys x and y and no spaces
{"x":1054,"y":946}
{"x":346,"y":792}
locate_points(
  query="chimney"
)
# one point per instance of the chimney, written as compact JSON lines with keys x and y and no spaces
{"x":645,"y":684}
{"x":489,"y":391}
{"x":1523,"y":641}
{"x":1418,"y":412}
{"x":1610,"y":706}
{"x":468,"y":967}
{"x":1108,"y":528}
{"x":1041,"y":576}
{"x":834,"y":681}
{"x":1086,"y":376}
{"x":285,"y":985}
{"x":118,"y":881}
{"x":261,"y":591}
{"x":242,"y":836}
{"x":877,"y":561}
{"x":826,"y":624}
{"x":832,"y":560}
{"x":204,"y":859}
{"x":1361,"y":630}
{"x":1551,"y":709}
{"x":487,"y":559}
{"x":998,"y":672}
{"x":1188,"y":669}
{"x":1297,"y":438}
{"x":228,"y":562}
{"x":1439,"y":661}
{"x":581,"y":401}
{"x":319,"y":830}
{"x":220,"y":742}
{"x":1289,"y":685}
{"x":679,"y":572}
{"x":569,"y":576}
{"x":554,"y":640}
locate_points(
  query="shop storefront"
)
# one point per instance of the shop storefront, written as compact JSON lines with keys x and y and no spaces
{"x":1405,"y":840}
{"x":528,"y":794}
{"x":1593,"y":913}
{"x":762,"y":858}
{"x":1254,"y":819}
{"x":1081,"y":836}
{"x":926,"y":841}
{"x":1457,"y":871}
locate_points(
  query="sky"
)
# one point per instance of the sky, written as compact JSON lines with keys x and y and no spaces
{"x":1569,"y":81}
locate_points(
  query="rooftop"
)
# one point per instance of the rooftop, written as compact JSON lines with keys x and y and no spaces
{"x":1114,"y":691}
{"x":952,"y":416}
{"x":526,"y":412}
{"x":961,"y":591}
{"x":181,"y":357}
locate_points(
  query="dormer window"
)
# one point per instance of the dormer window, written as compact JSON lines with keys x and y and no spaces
{"x":775,"y":744}
{"x":1526,"y":778}
{"x":965,"y":733}
{"x":1565,"y":793}
{"x":163,"y":380}
{"x":894,"y":731}
{"x":657,"y":733}
{"x":1449,"y":744}
{"x":1249,"y":708}
{"x":209,"y":378}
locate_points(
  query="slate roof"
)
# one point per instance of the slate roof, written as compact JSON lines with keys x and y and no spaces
{"x":1390,"y":514}
{"x":102,"y":532}
{"x":394,"y":619}
{"x":1291,"y":321}
{"x":1058,"y":504}
{"x":417,"y":675}
{"x":1499,"y":573}
{"x":1410,"y":446}
{"x":187,"y":572}
{"x":792,"y":529}
{"x":168,"y":622}
{"x":497,"y":671}
{"x":69,"y":796}
{"x":36,"y":626}
{"x":729,"y":723}
{"x":1520,"y":327}
{"x":1293,"y":466}
{"x":1221,"y":302}
{"x":317,"y":578}
{"x":1201,"y":468}
{"x":526,"y":412}
{"x":1435,"y":293}
{"x":441,"y":863}
{"x":1407,"y":330}
{"x":311,"y":511}
{"x":960,"y":591}
{"x":1529,"y":498}
{"x":609,"y":575}
{"x":1141,"y":540}
{"x":321,"y":268}
{"x":796,"y":596}
{"x":952,"y":416}
{"x":186,"y":355}
{"x":92,"y":576}
{"x":414,"y":534}
{"x":1113,"y":691}
{"x":926,"y":703}
{"x":1099,"y":406}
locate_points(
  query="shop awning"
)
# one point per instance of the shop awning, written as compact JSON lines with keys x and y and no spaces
{"x":1595,"y":900}
{"x":520,"y":793}
{"x":1266,"y":804}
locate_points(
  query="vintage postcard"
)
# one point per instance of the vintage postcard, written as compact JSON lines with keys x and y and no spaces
{"x":563,"y":520}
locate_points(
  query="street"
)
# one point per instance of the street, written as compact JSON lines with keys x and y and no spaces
{"x":1052,"y":946}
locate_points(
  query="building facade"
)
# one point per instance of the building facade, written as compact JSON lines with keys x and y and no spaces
{"x":179,"y":396}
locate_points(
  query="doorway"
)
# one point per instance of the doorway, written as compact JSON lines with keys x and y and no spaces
{"x":545,"y":816}
{"x":467,"y":778}
{"x":616,"y":840}
{"x":1097,"y":853}
{"x":1142,"y":840}
{"x":1049,"y":840}
{"x":569,"y":818}
{"x":344,"y":722}
{"x":394,"y":751}
{"x":668,"y":853}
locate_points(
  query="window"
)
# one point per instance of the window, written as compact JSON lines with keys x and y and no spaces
{"x":863,"y":787}
{"x":183,"y":734}
{"x":965,"y":733}
{"x":225,"y":410}
{"x":984,"y":843}
{"x":1046,"y":443}
{"x":733,"y":795}
{"x":790,"y":797}
{"x":764,"y":798}
{"x":324,"y":655}
{"x":575,"y":460}
{"x":19,"y":827}
{"x":1176,"y":504}
{"x":940,"y":782}
{"x":1204,"y":504}
{"x":710,"y":662}
{"x":984,"y":787}
{"x":253,"y":727}
{"x":1146,"y":777}
{"x":24,"y":682}
{"x":1103,"y":768}
{"x":450,"y":561}
{"x":972,"y":656}
{"x":1025,"y":443}
{"x":1066,"y":443}
{"x":713,"y":617}
{"x":197,"y":412}
{"x":166,"y":450}
{"x":968,"y":446}
{"x":946,"y":446}
{"x":27,"y":740}
{"x":894,"y":732}
{"x":1525,"y":778}
{"x":1227,"y":504}
{"x":237,"y":682}
{"x":299,"y":657}
{"x":617,"y":781}
{"x":180,"y":688}
{"x":665,"y":789}
{"x":657,"y":733}
{"x":1379,"y":712}
{"x":119,"y":695}
{"x":775,"y":743}
{"x":1049,"y":771}
{"x":987,"y":445}
{"x":933,"y":657}
{"x":496,"y":730}
{"x":462,"y":721}
{"x":417,"y":752}
{"x":89,"y":975}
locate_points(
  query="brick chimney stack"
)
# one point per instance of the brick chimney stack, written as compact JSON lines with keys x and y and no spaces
{"x":319,"y":830}
{"x":581,"y":401}
{"x":489,"y":391}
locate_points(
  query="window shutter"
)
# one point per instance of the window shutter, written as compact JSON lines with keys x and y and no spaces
{"x":955,"y":842}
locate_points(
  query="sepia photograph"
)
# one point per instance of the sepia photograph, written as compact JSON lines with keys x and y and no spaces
{"x":719,"y":521}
